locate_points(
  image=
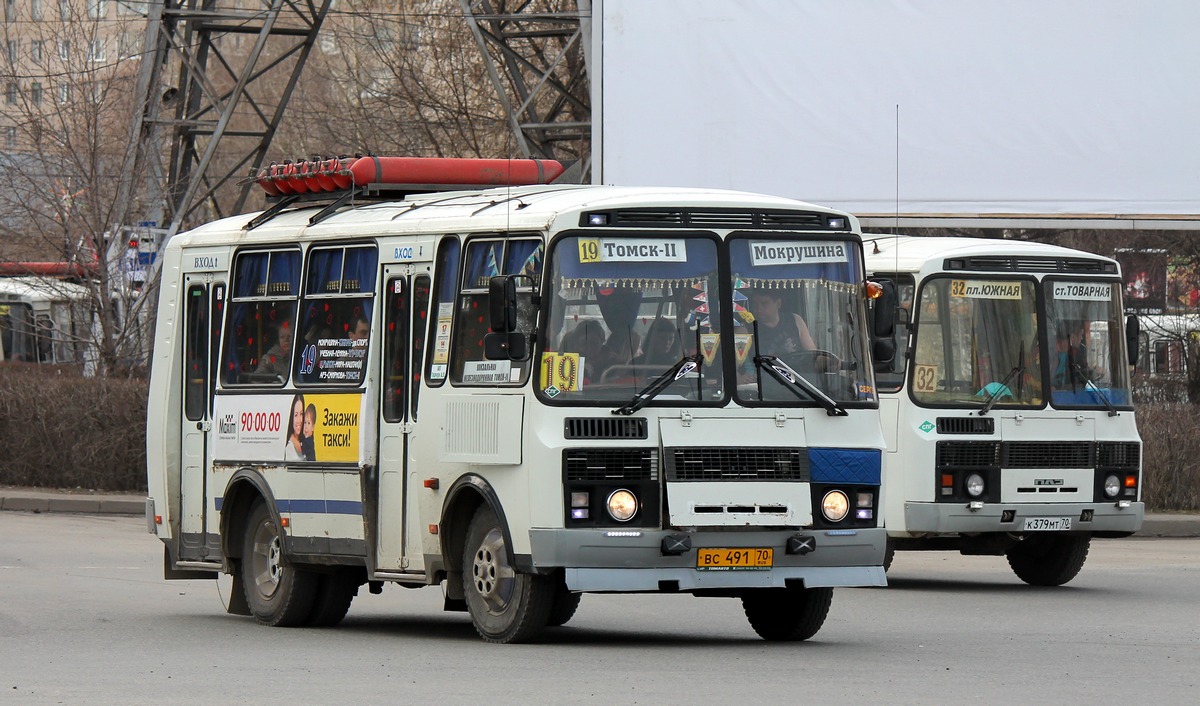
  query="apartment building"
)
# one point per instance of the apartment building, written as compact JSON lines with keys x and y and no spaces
{"x":59,"y":58}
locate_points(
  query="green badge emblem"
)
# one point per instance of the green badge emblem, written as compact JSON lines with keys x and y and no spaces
{"x":926,"y":426}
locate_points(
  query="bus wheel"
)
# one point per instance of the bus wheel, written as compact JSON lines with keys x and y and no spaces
{"x":564,"y":607}
{"x":889,"y":553}
{"x":505,"y":606}
{"x":278,"y":595}
{"x":334,"y":594}
{"x":1049,"y":560}
{"x":787,"y":614}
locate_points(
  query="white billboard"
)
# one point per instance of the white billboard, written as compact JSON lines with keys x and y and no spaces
{"x":922,"y":107}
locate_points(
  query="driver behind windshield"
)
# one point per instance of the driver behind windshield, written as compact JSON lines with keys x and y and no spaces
{"x":779,"y":332}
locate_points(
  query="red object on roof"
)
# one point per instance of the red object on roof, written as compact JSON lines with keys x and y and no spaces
{"x":329,"y":175}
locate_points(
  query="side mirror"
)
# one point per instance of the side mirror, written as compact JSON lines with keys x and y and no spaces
{"x":883,"y":310}
{"x":883,"y":351}
{"x":502,"y":301}
{"x":504,"y":342}
{"x":1133,"y":329}
{"x":513,"y":345}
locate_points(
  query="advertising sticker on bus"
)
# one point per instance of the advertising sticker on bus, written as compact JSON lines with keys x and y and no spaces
{"x":290,"y":428}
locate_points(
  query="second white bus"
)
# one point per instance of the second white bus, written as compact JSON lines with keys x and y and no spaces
{"x":1007,"y":407}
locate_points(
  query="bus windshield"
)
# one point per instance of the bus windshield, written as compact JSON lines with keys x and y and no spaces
{"x":798,"y":302}
{"x":1084,"y":329}
{"x":626,"y":310}
{"x":976,"y":343}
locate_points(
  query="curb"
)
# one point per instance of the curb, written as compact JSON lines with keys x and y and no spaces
{"x":38,"y":501}
{"x":1166,"y":525}
{"x":25,"y":501}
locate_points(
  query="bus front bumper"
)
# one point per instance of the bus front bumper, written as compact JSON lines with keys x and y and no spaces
{"x":619,"y":560}
{"x":961,"y":518}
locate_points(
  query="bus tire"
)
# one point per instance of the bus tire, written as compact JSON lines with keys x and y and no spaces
{"x":335,"y":592}
{"x":787,"y":614}
{"x":505,"y":606}
{"x":889,"y":554}
{"x":278,"y":595}
{"x":1049,"y":560}
{"x":564,"y":606}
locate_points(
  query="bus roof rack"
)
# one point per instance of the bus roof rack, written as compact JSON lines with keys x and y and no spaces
{"x":337,"y":181}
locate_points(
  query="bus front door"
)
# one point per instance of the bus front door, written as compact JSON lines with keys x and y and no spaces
{"x":405,"y":303}
{"x":202,"y":322}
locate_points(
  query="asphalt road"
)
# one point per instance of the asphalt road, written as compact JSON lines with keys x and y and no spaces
{"x":86,"y":618}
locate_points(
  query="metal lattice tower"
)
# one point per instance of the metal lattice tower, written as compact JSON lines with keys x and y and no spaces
{"x":537,"y":53}
{"x":235,"y":64}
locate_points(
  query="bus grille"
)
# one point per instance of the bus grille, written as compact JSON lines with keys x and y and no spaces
{"x":966,"y":425}
{"x":1048,"y":454}
{"x":605,"y":428}
{"x":723,"y":218}
{"x":592,"y":465}
{"x":1031,"y":454}
{"x":737,"y":464}
{"x":1119,"y":454}
{"x":1031,"y":264}
{"x":968,"y":454}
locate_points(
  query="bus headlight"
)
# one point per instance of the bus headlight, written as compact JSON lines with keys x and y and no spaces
{"x":622,"y":505}
{"x":835,"y":505}
{"x":974,"y":485}
{"x":1112,"y":485}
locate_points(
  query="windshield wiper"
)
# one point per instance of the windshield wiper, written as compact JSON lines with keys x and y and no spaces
{"x":1087,"y":382}
{"x":686,"y":364}
{"x":994,"y":395}
{"x":795,"y":382}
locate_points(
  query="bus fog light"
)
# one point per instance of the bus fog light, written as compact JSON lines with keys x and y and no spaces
{"x":865,"y":499}
{"x":974,"y":485}
{"x":1112,"y":486}
{"x":622,"y":505}
{"x":579,"y":499}
{"x":864,"y":513}
{"x":835,"y":505}
{"x":579,"y":513}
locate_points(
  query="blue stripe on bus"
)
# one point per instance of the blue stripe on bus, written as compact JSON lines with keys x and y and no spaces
{"x":316,"y":507}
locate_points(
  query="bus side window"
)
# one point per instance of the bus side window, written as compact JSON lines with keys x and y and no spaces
{"x":395,"y":346}
{"x":485,"y":259}
{"x":336,"y":314}
{"x":420,"y":328}
{"x":195,"y":353}
{"x":437,"y":356}
{"x":263,"y":303}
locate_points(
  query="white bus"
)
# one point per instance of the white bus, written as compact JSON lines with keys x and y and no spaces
{"x":44,"y":320}
{"x":523,"y":394}
{"x":994,"y":446}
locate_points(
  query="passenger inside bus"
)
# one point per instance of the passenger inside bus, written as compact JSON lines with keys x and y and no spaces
{"x":588,"y":339}
{"x":662,"y":345}
{"x":359,"y":329}
{"x":779,"y":332}
{"x":278,"y":358}
{"x":1071,"y":367}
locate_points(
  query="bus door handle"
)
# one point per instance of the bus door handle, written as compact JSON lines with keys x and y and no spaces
{"x":204,"y":425}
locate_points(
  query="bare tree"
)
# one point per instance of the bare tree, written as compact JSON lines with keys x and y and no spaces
{"x":67,"y":79}
{"x":395,"y":78}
